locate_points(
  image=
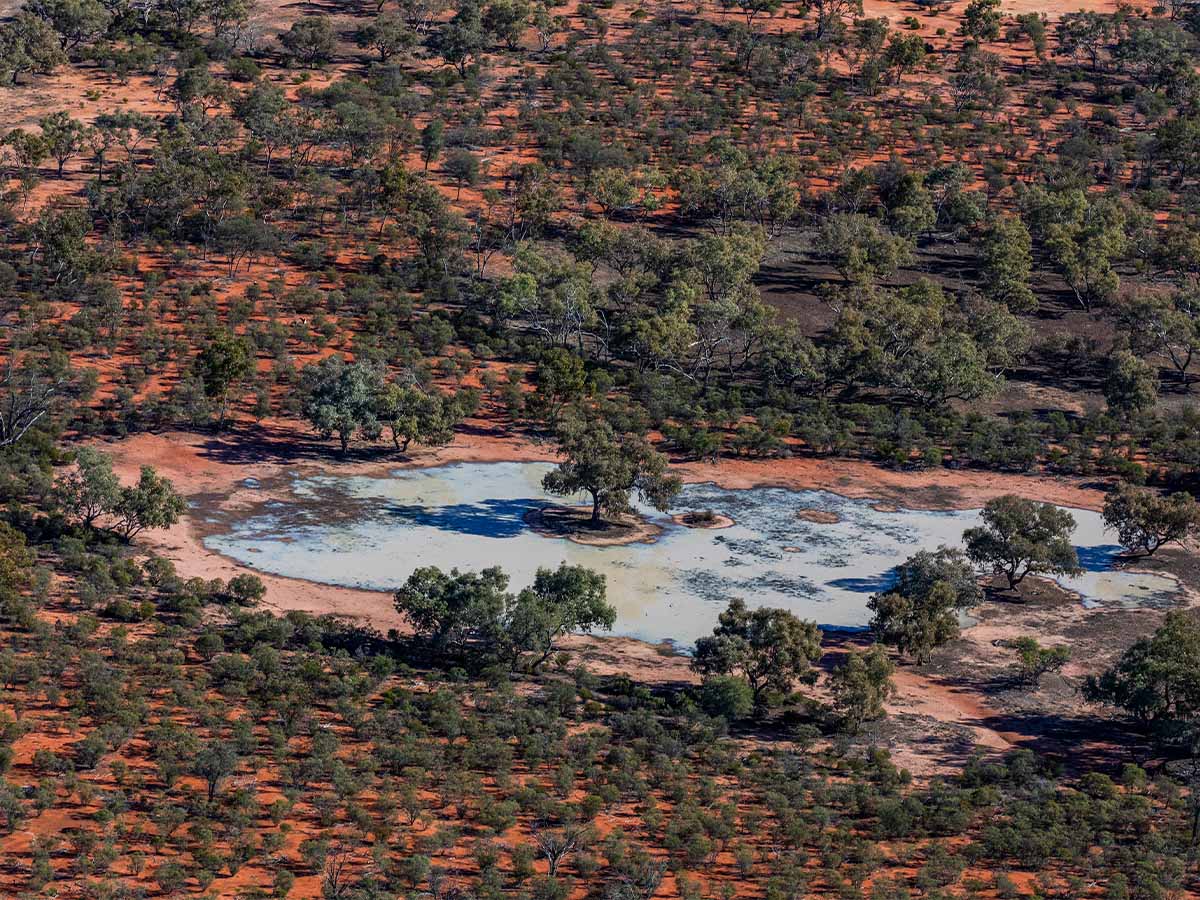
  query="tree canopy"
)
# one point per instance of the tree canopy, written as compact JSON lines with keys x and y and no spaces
{"x":1021,"y":537}
{"x":611,"y":465}
{"x":771,"y":648}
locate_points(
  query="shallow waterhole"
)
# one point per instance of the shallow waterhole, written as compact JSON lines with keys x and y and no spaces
{"x":372,"y":532}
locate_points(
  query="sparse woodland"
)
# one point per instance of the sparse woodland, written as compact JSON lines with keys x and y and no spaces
{"x":918,"y":234}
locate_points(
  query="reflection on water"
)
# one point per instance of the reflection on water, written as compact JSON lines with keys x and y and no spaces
{"x":371,"y":532}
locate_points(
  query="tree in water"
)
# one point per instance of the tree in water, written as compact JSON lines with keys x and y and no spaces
{"x":1022,"y":537}
{"x":611,"y":466}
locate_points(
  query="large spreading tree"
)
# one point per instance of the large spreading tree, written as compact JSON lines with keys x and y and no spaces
{"x":1145,"y":520}
{"x":342,"y":398}
{"x":610,"y":465}
{"x":1021,"y":537}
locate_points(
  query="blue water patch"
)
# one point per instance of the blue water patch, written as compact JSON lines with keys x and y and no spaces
{"x":372,"y":532}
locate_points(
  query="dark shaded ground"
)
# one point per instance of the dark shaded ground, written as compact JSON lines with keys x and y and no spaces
{"x":576,"y":523}
{"x":1056,"y":375}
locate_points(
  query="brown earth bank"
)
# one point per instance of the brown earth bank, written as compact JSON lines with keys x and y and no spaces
{"x":702,"y":519}
{"x":819,"y":516}
{"x":965,"y":698}
{"x":574,"y":523}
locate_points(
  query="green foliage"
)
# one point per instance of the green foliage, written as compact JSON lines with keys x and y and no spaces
{"x":28,"y":45}
{"x":31,"y":392}
{"x":342,"y":398}
{"x":728,"y":696}
{"x":1008,"y":264}
{"x":412,"y":414}
{"x":91,"y":489}
{"x":214,"y":762}
{"x":981,"y":20}
{"x":245,"y":589}
{"x":311,"y":40}
{"x":1157,"y":679}
{"x":771,"y":649}
{"x":611,"y":465}
{"x":507,"y":20}
{"x":861,"y":249}
{"x":1022,"y":537}
{"x":16,"y":560}
{"x":461,"y":40}
{"x":562,"y":380}
{"x":918,"y":342}
{"x":1084,"y":238}
{"x":1034,"y":660}
{"x":1145,"y":520}
{"x":860,"y":685}
{"x":388,"y":35}
{"x":226,"y":362}
{"x":452,"y":609}
{"x":462,"y":166}
{"x":566,"y":600}
{"x":475,"y":608}
{"x":63,"y":137}
{"x":1084,"y":35}
{"x":737,"y":190}
{"x":1131,"y":386}
{"x":1165,"y":323}
{"x":150,"y":503}
{"x":77,"y":22}
{"x":920,"y":611}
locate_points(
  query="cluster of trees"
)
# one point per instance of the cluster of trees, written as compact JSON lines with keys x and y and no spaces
{"x":393,"y":775}
{"x":354,"y":398}
{"x":922,"y":608}
{"x":460,"y":612}
{"x":91,"y":493}
{"x":755,"y":659}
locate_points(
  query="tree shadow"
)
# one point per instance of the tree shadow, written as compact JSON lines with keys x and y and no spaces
{"x":1099,"y":558}
{"x":243,"y":445}
{"x":503,"y":518}
{"x":871,"y":584}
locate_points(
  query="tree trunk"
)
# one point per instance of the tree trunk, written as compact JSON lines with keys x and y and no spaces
{"x":595,"y":508}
